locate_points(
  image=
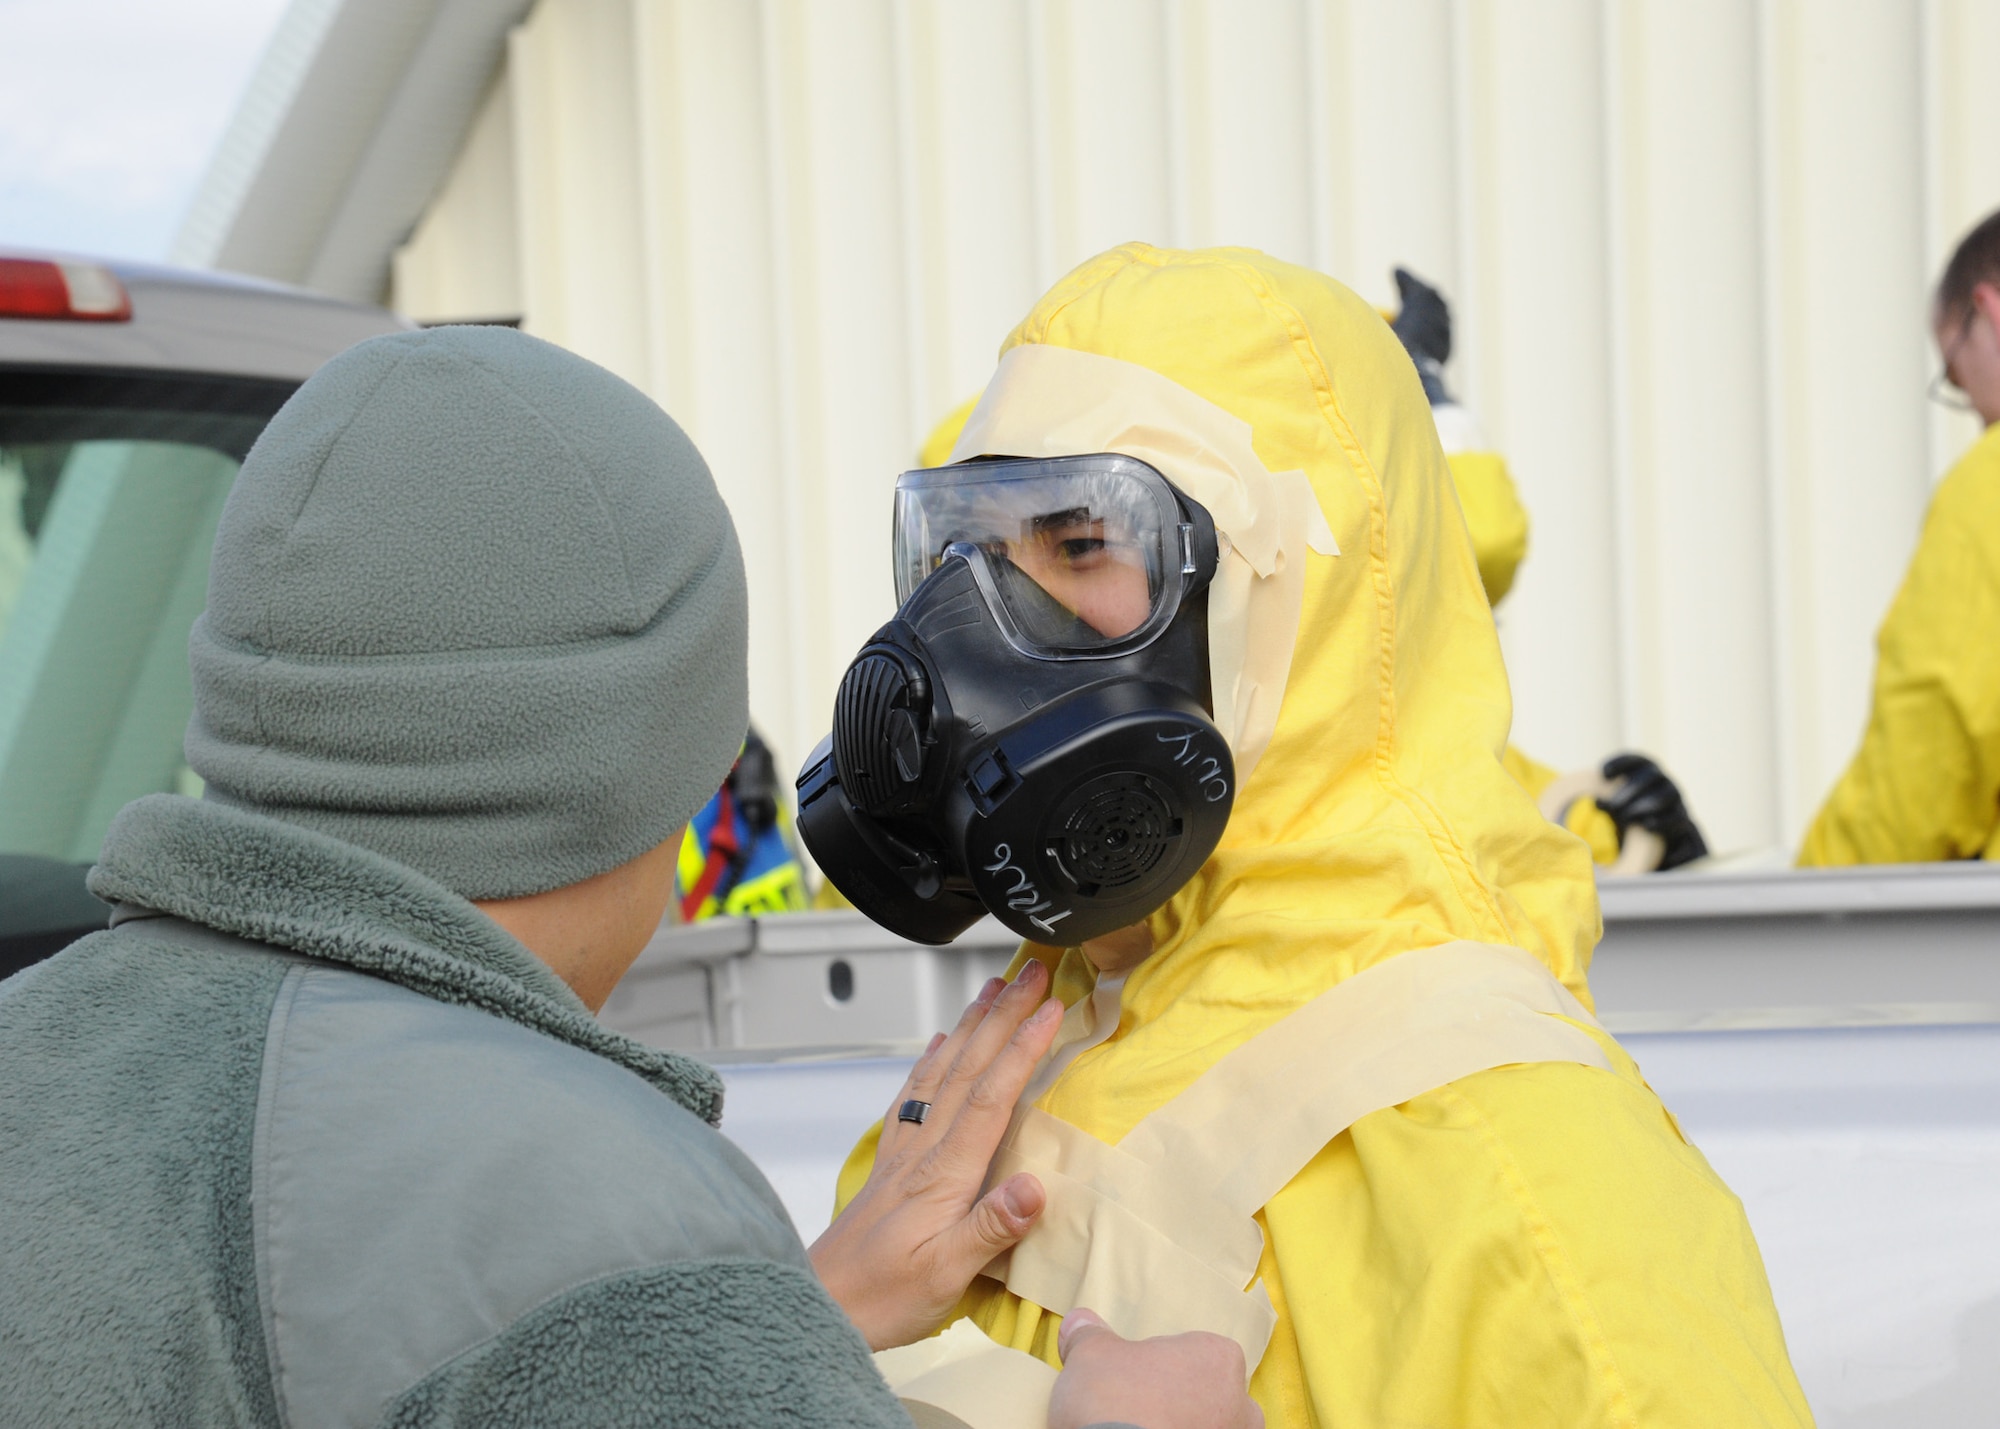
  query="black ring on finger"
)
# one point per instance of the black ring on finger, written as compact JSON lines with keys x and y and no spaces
{"x":914,"y":1112}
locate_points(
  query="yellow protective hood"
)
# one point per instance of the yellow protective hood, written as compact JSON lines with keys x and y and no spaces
{"x":1379,"y":818}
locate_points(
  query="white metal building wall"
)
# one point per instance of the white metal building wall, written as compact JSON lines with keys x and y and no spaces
{"x":1688,"y":243}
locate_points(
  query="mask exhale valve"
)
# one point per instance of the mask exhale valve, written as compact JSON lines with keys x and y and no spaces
{"x":1030,"y":736}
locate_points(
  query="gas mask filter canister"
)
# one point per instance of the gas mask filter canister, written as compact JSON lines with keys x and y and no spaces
{"x":1032,"y":735}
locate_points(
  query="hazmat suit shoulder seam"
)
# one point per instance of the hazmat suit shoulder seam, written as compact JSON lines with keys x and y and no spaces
{"x":1961,"y":514}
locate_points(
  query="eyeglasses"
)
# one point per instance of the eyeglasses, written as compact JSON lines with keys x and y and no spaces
{"x":1944,"y":389}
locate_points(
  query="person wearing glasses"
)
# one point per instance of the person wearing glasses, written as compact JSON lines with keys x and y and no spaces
{"x":1925,"y":784}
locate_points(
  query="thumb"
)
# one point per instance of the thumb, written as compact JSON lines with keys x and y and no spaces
{"x":995,"y":1223}
{"x":1077,"y":1326}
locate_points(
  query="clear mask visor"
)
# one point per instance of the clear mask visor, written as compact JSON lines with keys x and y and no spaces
{"x":1077,"y":556}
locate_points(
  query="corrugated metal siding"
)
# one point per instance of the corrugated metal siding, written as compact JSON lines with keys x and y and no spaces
{"x":1688,"y":243}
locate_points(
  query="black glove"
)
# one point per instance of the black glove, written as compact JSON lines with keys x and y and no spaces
{"x":1648,"y":798}
{"x":754,"y":782}
{"x":1424,"y":326}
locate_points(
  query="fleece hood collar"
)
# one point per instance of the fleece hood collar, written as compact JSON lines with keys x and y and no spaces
{"x":261,"y":878}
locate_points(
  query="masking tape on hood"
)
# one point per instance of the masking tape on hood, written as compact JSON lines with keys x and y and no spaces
{"x":1156,"y":1233}
{"x":1048,"y":401}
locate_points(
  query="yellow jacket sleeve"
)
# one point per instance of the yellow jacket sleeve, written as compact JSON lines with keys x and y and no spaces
{"x":1494,"y":518}
{"x":1925,"y":784}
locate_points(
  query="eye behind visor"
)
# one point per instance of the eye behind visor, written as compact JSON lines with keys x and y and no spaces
{"x":1043,"y":619}
{"x":1080,"y":555}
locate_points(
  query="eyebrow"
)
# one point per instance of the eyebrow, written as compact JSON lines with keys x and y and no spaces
{"x":1056,"y":520}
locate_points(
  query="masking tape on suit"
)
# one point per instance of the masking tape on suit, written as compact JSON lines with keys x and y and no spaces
{"x":1049,"y":401}
{"x":1156,"y":1233}
{"x":1087,"y":1023}
{"x":961,"y":1379}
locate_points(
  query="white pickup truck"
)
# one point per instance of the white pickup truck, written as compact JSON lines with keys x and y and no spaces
{"x":1831,"y":1041}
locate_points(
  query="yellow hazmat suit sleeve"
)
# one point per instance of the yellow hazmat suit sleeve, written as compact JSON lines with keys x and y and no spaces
{"x":1585,"y":819}
{"x":1534,"y":1244}
{"x":1494,"y":518}
{"x":1925,"y":784}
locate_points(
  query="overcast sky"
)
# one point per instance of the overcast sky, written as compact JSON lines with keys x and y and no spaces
{"x":109,"y":110}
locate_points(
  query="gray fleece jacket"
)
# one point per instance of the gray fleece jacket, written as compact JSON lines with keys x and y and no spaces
{"x":304,"y":1139}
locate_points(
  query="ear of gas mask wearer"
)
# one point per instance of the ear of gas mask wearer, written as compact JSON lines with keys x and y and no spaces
{"x":1067,"y":795}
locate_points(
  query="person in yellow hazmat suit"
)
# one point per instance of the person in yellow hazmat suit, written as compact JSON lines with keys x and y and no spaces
{"x":1631,"y":790}
{"x":1925,"y":784}
{"x":1340,"y":1095}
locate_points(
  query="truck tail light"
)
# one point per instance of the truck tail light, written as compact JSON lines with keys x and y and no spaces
{"x":73,"y":292}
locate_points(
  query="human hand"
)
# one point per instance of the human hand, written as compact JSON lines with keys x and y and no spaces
{"x":1190,"y":1381}
{"x":910,"y":1242}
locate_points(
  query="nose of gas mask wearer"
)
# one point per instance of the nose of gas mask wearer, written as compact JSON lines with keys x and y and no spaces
{"x":963,"y":776}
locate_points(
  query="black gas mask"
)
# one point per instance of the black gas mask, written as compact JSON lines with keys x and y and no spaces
{"x":1032,"y":735}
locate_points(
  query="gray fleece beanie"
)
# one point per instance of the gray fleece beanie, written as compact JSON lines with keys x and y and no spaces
{"x":477,"y":606}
